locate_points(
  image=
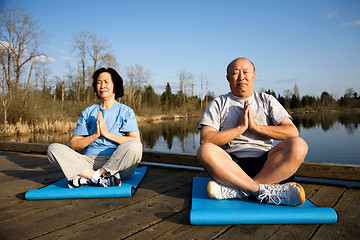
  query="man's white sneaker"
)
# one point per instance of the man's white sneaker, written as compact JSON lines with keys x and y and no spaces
{"x":291,"y":194}
{"x":219,"y":191}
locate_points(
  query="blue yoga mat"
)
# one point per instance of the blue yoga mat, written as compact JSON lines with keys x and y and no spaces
{"x":206,"y":211}
{"x":60,"y":190}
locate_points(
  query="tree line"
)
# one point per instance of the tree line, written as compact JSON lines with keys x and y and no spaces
{"x":30,"y":94}
{"x":292,"y":100}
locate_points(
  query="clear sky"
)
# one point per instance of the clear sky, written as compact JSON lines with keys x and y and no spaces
{"x":313,"y":43}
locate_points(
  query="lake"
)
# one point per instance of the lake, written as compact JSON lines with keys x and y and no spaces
{"x":332,"y":137}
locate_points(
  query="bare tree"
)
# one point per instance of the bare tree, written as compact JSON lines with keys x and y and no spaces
{"x":42,"y":75}
{"x":137,"y":78}
{"x":97,"y":49}
{"x":185,"y":80}
{"x":109,"y":60}
{"x":91,"y":47}
{"x":20,"y":40}
{"x":202,"y":98}
{"x":130,"y":84}
{"x":296,"y":91}
{"x":80,"y":44}
{"x":142,"y":76}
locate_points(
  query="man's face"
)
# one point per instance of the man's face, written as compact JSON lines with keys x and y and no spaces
{"x":241,"y":77}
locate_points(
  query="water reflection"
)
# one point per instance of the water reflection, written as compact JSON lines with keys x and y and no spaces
{"x":184,"y":131}
{"x":328,"y":120}
{"x":325,"y":132}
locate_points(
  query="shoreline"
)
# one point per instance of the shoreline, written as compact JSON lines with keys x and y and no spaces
{"x":163,"y":117}
{"x":66,"y":127}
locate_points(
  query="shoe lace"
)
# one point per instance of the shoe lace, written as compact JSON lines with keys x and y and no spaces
{"x":273,"y":195}
{"x":104,"y":180}
{"x":228,"y":192}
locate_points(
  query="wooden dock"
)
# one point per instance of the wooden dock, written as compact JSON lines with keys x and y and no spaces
{"x":159,"y":209}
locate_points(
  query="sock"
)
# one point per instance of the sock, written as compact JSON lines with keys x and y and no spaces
{"x":95,"y":177}
{"x":261,"y":190}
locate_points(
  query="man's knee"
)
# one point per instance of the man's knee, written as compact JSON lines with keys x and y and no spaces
{"x":299,"y":145}
{"x":203,"y":150}
{"x":298,"y":148}
{"x":209,"y":153}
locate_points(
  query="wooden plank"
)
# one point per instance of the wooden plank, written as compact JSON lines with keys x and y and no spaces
{"x":24,"y":147}
{"x":54,"y":216}
{"x":145,"y":215}
{"x":10,"y":201}
{"x":316,"y":193}
{"x":171,"y":158}
{"x":123,"y":222}
{"x":346,"y":172}
{"x":348,"y":226}
{"x":178,"y":227}
{"x":322,"y":196}
{"x":175,"y":228}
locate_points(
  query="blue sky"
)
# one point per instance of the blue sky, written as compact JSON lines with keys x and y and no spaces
{"x":312,"y":43}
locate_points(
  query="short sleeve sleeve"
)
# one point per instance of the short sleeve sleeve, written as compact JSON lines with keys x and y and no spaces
{"x":81,"y":127}
{"x":276,"y":111}
{"x":211,"y":116}
{"x":129,"y":122}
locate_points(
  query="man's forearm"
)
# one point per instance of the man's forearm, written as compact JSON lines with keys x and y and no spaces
{"x":280,"y":132}
{"x":221,"y":137}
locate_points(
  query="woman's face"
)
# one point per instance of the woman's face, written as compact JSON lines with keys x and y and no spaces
{"x":105,"y":86}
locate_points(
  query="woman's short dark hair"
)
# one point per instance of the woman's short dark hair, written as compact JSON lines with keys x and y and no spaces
{"x":116,"y":79}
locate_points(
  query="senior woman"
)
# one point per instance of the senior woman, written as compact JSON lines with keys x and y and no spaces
{"x":108,"y":135}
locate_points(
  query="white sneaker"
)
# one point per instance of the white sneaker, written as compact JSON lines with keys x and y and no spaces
{"x":78,"y":182}
{"x":218,"y":191}
{"x":291,"y":194}
{"x":107,"y":180}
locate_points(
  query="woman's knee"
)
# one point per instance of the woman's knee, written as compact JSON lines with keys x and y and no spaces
{"x":132,"y":147}
{"x":55,"y":147}
{"x":53,"y":152}
{"x":132,"y":144}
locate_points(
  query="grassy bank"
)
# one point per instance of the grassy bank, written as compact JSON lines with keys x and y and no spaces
{"x":68,"y":127}
{"x":41,"y":114}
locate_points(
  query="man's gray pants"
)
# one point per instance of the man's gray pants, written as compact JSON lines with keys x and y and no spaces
{"x":124,"y":160}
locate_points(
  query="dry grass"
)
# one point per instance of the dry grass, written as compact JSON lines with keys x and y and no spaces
{"x":23,"y":128}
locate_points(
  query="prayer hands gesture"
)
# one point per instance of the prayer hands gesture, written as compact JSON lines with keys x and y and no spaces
{"x":101,"y":128}
{"x":247,"y":119}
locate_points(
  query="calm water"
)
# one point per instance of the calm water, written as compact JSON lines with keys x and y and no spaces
{"x":332,"y":137}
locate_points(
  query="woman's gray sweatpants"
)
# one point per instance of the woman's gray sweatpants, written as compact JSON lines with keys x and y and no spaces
{"x":124,"y":160}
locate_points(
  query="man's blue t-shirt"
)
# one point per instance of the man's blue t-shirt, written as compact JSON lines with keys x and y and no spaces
{"x":119,"y":119}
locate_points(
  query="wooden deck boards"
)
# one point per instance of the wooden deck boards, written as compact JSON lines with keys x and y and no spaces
{"x":159,"y":209}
